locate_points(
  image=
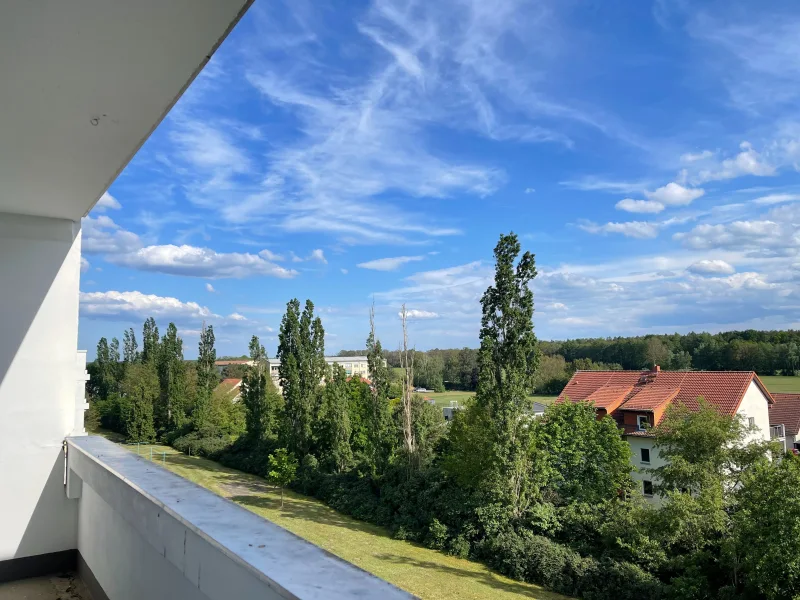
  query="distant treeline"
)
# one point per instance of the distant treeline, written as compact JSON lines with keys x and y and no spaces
{"x":765,"y":352}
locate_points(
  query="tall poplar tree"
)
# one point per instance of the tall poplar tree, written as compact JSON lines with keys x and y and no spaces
{"x":254,"y":393}
{"x":490,"y":444}
{"x":333,"y":423}
{"x":150,"y":341}
{"x":130,"y":350}
{"x":379,"y":416}
{"x":207,"y":378}
{"x":170,"y":412}
{"x":301,"y":351}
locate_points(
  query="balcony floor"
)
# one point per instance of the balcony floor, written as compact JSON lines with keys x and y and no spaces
{"x":55,"y":587}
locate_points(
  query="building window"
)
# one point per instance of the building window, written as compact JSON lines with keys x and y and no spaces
{"x":647,"y":488}
{"x":642,"y":422}
{"x":645,"y":455}
{"x":751,"y":421}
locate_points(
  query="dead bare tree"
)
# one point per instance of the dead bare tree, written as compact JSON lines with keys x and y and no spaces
{"x":407,"y":364}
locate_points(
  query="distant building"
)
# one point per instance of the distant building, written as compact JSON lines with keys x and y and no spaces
{"x":449,"y":412}
{"x":637,"y":400}
{"x":230,"y":387}
{"x":221,"y":364}
{"x":784,"y":421}
{"x":354,"y":366}
{"x":538,"y":409}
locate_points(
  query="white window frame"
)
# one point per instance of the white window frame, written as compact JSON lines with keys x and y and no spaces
{"x":641,"y":455}
{"x":639,"y":419}
{"x":645,"y":494}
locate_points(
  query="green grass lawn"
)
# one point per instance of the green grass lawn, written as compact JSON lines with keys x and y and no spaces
{"x":444,"y":398}
{"x":779,"y":383}
{"x":423,"y":572}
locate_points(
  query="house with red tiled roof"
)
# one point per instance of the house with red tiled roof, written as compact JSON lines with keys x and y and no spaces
{"x":637,"y":400}
{"x":784,"y":420}
{"x":230,"y":387}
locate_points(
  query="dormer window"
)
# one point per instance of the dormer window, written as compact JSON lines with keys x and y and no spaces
{"x":642,"y":422}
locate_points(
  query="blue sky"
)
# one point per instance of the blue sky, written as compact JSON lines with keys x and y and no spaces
{"x":646,"y":152}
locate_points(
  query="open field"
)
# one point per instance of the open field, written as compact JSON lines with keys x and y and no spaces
{"x":419,"y":570}
{"x":779,"y":383}
{"x":444,"y":398}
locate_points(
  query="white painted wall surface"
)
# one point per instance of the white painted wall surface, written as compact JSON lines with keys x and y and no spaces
{"x":39,"y":281}
{"x":755,"y":404}
{"x":125,"y":565}
{"x":639,"y":473}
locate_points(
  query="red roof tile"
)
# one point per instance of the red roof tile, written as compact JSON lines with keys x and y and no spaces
{"x":609,"y":396}
{"x":722,"y":389}
{"x":651,"y":397}
{"x":786,"y":412}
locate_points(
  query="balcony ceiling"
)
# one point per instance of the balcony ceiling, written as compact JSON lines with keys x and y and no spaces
{"x":83,"y":83}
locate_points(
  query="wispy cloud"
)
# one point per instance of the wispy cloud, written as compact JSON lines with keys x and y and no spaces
{"x":107,"y":201}
{"x":634,"y":229}
{"x":389,"y":264}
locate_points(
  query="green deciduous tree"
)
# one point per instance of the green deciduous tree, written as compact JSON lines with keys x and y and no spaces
{"x":256,"y":387}
{"x":150,"y":341}
{"x":378,"y":416}
{"x":578,"y":457}
{"x":282,"y":469}
{"x":140,"y":391}
{"x":301,"y":351}
{"x":172,"y":407}
{"x":103,"y":371}
{"x":207,"y":378}
{"x":130,"y":350}
{"x":333,"y":422}
{"x":507,"y":363}
{"x":767,"y":529}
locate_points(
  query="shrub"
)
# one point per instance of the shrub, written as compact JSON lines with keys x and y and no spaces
{"x":539,"y":560}
{"x":437,"y":535}
{"x":194,"y":444}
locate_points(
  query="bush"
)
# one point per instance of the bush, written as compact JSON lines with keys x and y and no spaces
{"x":437,"y":535}
{"x":539,"y":560}
{"x":194,"y":444}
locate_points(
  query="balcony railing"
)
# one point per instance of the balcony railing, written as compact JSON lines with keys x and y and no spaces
{"x":144,"y":532}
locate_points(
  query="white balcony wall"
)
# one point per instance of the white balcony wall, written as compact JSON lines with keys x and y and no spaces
{"x":39,"y":280}
{"x":146,"y":533}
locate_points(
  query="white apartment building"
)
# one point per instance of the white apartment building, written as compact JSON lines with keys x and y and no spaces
{"x":354,"y":366}
{"x":83,"y":83}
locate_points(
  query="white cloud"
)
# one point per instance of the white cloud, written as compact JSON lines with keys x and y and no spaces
{"x":558,"y":306}
{"x":419,"y":314}
{"x":107,"y":201}
{"x":777,"y":199}
{"x":633,"y":229}
{"x":530,"y":190}
{"x":747,"y":162}
{"x":690,"y":157}
{"x":200,"y":262}
{"x":210,"y":288}
{"x":711,"y":267}
{"x":318,"y":255}
{"x":674,"y":194}
{"x":237,"y":317}
{"x":270,"y":255}
{"x":735,"y":235}
{"x":639,"y":206}
{"x":595,"y":184}
{"x":388,"y":264}
{"x":102,"y":235}
{"x":85,"y":265}
{"x":138,"y":306}
{"x":344,"y":271}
